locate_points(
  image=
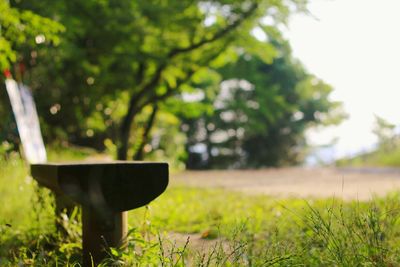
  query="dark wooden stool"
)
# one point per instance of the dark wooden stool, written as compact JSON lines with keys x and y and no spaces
{"x":105,"y":191}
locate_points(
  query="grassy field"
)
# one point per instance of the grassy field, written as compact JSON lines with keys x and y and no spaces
{"x":378,"y":158}
{"x":225,"y":228}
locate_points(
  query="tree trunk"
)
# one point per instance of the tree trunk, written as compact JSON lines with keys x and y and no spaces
{"x":125,"y":131}
{"x":123,"y":146}
{"x":140,"y":153}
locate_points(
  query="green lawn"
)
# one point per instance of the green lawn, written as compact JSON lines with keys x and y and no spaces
{"x":378,"y":158}
{"x":247,"y":230}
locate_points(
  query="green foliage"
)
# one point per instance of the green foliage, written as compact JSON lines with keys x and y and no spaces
{"x":261,"y":112}
{"x":116,"y":58}
{"x":385,"y":132}
{"x":21,"y":30}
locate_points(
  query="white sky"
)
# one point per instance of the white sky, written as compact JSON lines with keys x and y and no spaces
{"x":354,"y":45}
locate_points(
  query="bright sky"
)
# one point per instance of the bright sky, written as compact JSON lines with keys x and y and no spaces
{"x":354,"y":45}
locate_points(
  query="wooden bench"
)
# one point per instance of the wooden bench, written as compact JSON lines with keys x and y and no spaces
{"x":105,"y":191}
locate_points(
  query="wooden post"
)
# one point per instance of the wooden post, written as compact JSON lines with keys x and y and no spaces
{"x":99,"y":233}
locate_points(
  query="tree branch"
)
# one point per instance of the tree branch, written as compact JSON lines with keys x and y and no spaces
{"x":132,"y":109}
{"x":176,"y":51}
{"x":170,"y":91}
{"x":140,"y":72}
{"x":218,"y":35}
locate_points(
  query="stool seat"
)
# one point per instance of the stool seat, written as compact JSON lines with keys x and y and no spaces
{"x":116,"y":186}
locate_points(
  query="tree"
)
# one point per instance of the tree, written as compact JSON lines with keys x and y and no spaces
{"x":118,"y":57}
{"x":262,"y":111}
{"x":385,"y":132}
{"x":21,"y":31}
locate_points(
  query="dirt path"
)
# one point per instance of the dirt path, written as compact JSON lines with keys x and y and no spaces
{"x":299,"y":182}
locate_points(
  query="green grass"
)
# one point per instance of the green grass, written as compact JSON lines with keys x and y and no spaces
{"x":71,"y":153}
{"x":242,"y":230}
{"x":378,"y":158}
{"x":292,"y":231}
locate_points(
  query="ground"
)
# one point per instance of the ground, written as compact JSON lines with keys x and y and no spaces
{"x":347,"y":183}
{"x":361,"y":184}
{"x":225,"y":225}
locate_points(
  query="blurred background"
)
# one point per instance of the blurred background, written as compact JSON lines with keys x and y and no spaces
{"x":299,"y":97}
{"x":208,"y":84}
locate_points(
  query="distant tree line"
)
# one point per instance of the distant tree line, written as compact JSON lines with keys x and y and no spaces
{"x":166,"y":79}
